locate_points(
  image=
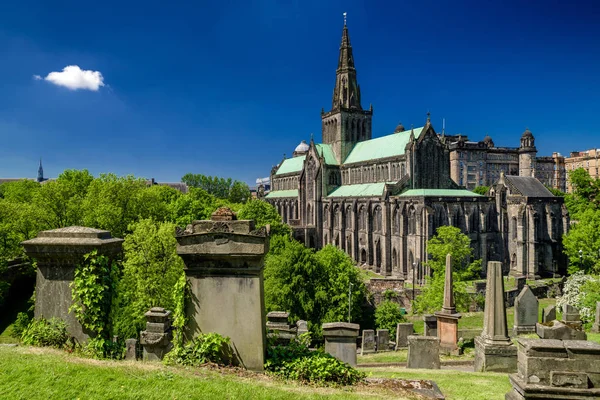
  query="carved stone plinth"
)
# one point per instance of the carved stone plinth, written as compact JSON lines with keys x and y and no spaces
{"x":494,"y":357}
{"x":447,"y":331}
{"x":156,"y":339}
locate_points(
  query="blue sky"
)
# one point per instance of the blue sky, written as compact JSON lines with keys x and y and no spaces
{"x":225,"y":88}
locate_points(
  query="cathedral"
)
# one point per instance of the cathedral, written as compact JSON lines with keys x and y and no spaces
{"x":381,"y":199}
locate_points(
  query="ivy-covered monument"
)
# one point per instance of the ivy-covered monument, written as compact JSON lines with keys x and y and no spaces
{"x":381,"y":199}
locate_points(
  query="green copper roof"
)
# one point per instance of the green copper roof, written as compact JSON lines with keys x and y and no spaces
{"x":290,"y":165}
{"x":383,"y":147}
{"x":327,"y":153}
{"x":275,"y":194}
{"x":362,"y":190}
{"x":440,"y":193}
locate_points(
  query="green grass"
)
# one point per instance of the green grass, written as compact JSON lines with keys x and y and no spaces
{"x":402,"y":356}
{"x":35,"y":373}
{"x":456,"y":385}
{"x":368,"y":274}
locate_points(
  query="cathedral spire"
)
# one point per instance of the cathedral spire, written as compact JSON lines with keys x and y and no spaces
{"x":346,"y":93}
{"x":40,"y":176}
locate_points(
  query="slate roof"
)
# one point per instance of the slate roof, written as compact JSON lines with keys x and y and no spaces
{"x":381,"y":147}
{"x":439,"y":193}
{"x":275,"y":194}
{"x":526,"y":186}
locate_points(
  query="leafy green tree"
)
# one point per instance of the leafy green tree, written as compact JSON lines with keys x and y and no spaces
{"x":584,"y":236}
{"x":264,"y":214}
{"x":239,"y":192}
{"x":482,"y":190}
{"x":150,"y":272}
{"x":556,"y":192}
{"x":448,"y":240}
{"x":218,"y":187}
{"x":388,"y":315}
{"x":311,"y":286}
{"x":195,"y":205}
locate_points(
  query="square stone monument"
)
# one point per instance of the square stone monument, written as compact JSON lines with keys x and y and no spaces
{"x":340,"y":341}
{"x":494,"y":351}
{"x":58,"y":252}
{"x":224,"y":260}
{"x":526,"y":312}
{"x":447,"y":319}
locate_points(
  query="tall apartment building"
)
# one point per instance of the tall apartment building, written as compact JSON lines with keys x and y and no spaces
{"x":587,"y":160}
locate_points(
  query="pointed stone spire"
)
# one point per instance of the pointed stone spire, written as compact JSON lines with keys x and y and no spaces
{"x":412,"y":133}
{"x":495,"y":328}
{"x":346,"y":93}
{"x":428,"y":117}
{"x":40,"y":176}
{"x":449,"y":307}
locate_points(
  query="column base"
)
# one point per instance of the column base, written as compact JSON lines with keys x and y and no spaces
{"x":495,"y":357}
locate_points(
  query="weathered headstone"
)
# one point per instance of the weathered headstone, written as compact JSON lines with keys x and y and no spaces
{"x":130,"y":349}
{"x":430,"y":322}
{"x":58,"y":252}
{"x":302,"y":327}
{"x":560,"y":331}
{"x":403,"y":331}
{"x":526,"y":312}
{"x":383,"y":340}
{"x":571,"y":317}
{"x":596,"y":326}
{"x":340,"y":341}
{"x":556,"y":369}
{"x":520,"y":282}
{"x":494,"y":350}
{"x":279,"y":329}
{"x":447,"y":319}
{"x":423,"y":352}
{"x":549,"y":314}
{"x":156,"y":339}
{"x":224,"y":267}
{"x":368,"y":341}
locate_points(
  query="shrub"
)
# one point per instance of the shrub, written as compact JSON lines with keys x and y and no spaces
{"x":20,"y":325}
{"x":574,"y":294}
{"x":296,"y":361}
{"x":388,"y":316}
{"x":205,"y":348}
{"x":46,"y":332}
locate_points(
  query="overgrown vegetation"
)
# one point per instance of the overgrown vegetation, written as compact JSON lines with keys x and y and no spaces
{"x":205,"y":348}
{"x":295,"y":361}
{"x":45,"y":332}
{"x":387,"y":316}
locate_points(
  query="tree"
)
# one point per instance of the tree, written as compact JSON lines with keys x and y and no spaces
{"x":197,"y":204}
{"x":584,"y":236}
{"x":311,"y":286}
{"x":482,"y":190}
{"x":150,"y":271}
{"x":239,"y":192}
{"x":218,"y":187}
{"x":448,"y":240}
{"x":264,"y":214}
{"x":388,"y":315}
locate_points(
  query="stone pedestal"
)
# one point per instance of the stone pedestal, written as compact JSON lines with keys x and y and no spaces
{"x":596,"y":326}
{"x":423,"y":352}
{"x":556,"y":369}
{"x":368,"y":342}
{"x":279,"y":329}
{"x":571,"y":317}
{"x":224,"y":267}
{"x":494,"y":350}
{"x":340,"y":341}
{"x":526,"y":312}
{"x":156,"y":339}
{"x":430,"y":322}
{"x":403,"y":331}
{"x":58,"y":252}
{"x":447,"y":331}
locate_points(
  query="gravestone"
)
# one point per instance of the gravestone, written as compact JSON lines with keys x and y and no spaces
{"x":58,"y":252}
{"x":520,"y":282}
{"x":278,"y":328}
{"x":560,"y":331}
{"x":596,"y":326}
{"x":156,"y":339}
{"x":302,"y":327}
{"x":383,"y":340}
{"x":340,"y":341}
{"x":526,"y":312}
{"x":224,"y":260}
{"x":571,"y":317}
{"x":494,"y":350}
{"x":549,"y":314}
{"x":403,"y":331}
{"x":130,"y":349}
{"x":423,"y":352}
{"x":556,"y":369}
{"x":447,"y":319}
{"x":430,"y":322}
{"x":368,"y":341}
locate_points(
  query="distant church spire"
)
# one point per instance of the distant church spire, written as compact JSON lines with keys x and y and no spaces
{"x":346,"y":93}
{"x":40,"y":176}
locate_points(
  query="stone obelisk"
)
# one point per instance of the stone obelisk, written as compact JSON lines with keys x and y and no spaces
{"x":494,"y":351}
{"x":447,"y":319}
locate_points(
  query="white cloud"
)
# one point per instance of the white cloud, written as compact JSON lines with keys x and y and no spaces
{"x":37,"y":77}
{"x":74,"y":78}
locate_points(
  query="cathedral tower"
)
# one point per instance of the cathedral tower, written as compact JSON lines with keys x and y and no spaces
{"x":347,"y":123}
{"x":527,"y":154}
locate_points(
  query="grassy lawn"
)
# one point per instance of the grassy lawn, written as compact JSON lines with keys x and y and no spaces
{"x":368,"y":274}
{"x":402,"y":355}
{"x":35,"y":373}
{"x":456,"y":385}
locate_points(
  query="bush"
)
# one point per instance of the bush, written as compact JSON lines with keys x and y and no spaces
{"x":20,"y":325}
{"x":296,"y":361}
{"x":46,"y":332}
{"x":388,"y":316}
{"x":208,"y":347}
